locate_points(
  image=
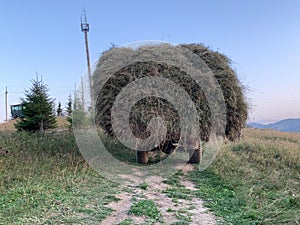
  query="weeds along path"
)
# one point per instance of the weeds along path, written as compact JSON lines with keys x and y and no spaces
{"x":158,"y":201}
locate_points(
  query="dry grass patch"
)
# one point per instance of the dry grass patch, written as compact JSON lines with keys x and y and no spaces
{"x":255,"y":180}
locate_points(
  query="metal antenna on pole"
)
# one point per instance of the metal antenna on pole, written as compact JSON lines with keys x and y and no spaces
{"x":85,"y":29}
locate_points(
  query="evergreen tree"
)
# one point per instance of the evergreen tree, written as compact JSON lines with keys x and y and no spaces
{"x":69,"y":111}
{"x":69,"y":106}
{"x":59,"y":110}
{"x":37,"y":109}
{"x":79,"y":116}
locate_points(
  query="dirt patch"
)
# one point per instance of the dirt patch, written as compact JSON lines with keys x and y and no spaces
{"x":120,"y":209}
{"x":188,"y":185}
{"x":169,"y":209}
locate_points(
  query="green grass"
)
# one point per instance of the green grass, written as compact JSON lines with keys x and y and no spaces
{"x":174,"y":180}
{"x":143,"y":185}
{"x":145,"y":208}
{"x":254,"y":181}
{"x":127,"y":222}
{"x":180,"y":223}
{"x":178,"y":193}
{"x":117,"y":149}
{"x":44,"y":180}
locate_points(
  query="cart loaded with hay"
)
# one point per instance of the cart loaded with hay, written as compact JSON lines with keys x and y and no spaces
{"x":132,"y":91}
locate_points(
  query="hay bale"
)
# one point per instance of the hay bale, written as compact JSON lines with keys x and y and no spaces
{"x":153,"y":106}
{"x":237,"y":108}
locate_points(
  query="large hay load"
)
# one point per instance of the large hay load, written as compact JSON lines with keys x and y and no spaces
{"x":236,"y":106}
{"x":153,"y":106}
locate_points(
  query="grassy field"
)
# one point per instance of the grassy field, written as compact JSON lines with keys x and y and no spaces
{"x":45,"y":180}
{"x":256,"y":180}
{"x":62,"y":124}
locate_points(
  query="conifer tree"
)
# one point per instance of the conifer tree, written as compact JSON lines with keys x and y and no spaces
{"x":37,"y":109}
{"x":59,"y":110}
{"x":70,"y":111}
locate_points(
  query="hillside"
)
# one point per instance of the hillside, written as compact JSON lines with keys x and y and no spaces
{"x":62,"y":124}
{"x":288,"y":125}
{"x":45,"y":180}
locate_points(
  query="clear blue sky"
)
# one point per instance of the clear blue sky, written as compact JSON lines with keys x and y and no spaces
{"x":261,"y":37}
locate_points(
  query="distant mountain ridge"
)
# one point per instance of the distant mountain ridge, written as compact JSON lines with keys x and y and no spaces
{"x":287,"y":125}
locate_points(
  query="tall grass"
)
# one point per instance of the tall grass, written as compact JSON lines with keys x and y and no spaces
{"x":36,"y":144}
{"x":45,"y":180}
{"x":255,"y":180}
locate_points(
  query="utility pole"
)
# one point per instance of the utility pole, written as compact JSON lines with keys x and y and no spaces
{"x":85,"y":29}
{"x":82,"y":94}
{"x":6,"y":110}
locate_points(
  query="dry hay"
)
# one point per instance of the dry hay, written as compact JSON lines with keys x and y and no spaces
{"x":233,"y":91}
{"x":147,"y":108}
